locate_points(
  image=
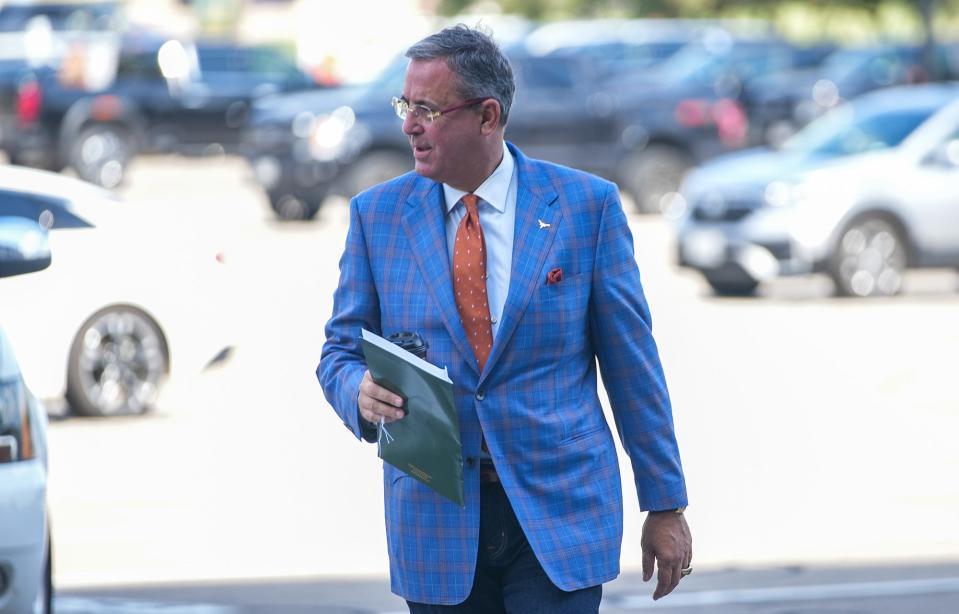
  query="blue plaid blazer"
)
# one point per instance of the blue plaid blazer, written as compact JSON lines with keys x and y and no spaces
{"x":536,"y":401}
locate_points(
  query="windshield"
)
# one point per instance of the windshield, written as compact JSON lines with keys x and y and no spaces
{"x":845,"y":64}
{"x":849,"y":130}
{"x":699,"y":63}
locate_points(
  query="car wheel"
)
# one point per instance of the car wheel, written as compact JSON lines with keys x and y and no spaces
{"x":291,"y":208}
{"x":101,"y":154}
{"x":650,"y":175}
{"x":43,"y":602}
{"x":117,"y":363}
{"x":732,"y":287}
{"x":377,"y":167}
{"x":869,"y":259}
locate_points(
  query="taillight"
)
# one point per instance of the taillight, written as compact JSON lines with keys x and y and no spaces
{"x":16,"y":436}
{"x":732,"y":124}
{"x":29,"y":100}
{"x":692,"y":113}
{"x":726,"y":114}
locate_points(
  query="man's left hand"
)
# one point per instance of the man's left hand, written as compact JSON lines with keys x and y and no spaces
{"x":667,"y":541}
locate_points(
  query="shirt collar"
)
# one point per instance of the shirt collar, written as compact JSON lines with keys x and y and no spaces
{"x":493,"y":191}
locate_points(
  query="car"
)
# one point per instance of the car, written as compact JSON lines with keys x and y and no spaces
{"x":689,"y":109}
{"x":153,"y":94}
{"x":26,"y":571}
{"x":863,"y":193}
{"x":133,"y":297}
{"x":780,"y":103}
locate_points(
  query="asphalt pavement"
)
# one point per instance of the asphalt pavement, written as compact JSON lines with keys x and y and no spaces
{"x":931,"y":589}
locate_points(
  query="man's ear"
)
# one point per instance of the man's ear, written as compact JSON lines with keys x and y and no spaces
{"x":490,"y":112}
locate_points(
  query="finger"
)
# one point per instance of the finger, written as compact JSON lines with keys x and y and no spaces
{"x":372,"y":410}
{"x":676,"y":577}
{"x":664,"y":582}
{"x":379,"y":393}
{"x":647,"y":565}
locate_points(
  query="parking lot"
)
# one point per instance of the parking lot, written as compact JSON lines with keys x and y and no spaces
{"x":813,"y":429}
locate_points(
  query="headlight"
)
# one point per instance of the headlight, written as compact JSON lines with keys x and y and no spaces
{"x":328,"y":132}
{"x":779,"y":194}
{"x":16,"y":438}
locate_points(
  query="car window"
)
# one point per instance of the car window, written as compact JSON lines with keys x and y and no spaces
{"x":846,"y":131}
{"x":244,"y":60}
{"x":51,"y":213}
{"x":138,"y":66}
{"x":546,"y":73}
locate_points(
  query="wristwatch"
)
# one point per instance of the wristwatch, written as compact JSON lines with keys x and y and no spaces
{"x":677,"y":510}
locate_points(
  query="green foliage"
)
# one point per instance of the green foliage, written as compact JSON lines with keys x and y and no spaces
{"x":839,"y":20}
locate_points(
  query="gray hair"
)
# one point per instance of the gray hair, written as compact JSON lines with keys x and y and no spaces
{"x":483,"y":70}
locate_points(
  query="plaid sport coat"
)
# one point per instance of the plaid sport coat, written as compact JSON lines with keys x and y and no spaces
{"x":536,"y":401}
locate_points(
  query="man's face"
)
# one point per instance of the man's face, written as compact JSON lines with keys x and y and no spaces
{"x":448,"y":150}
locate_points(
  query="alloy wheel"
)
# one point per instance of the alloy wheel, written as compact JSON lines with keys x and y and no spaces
{"x":870,"y":259}
{"x":117,"y":365}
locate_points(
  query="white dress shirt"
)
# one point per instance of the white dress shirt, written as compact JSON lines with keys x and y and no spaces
{"x":497,"y":212}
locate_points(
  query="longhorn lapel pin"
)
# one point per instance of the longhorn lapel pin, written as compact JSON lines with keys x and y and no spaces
{"x":543,"y":224}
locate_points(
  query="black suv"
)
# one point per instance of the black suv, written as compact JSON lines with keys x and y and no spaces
{"x":164,"y":95}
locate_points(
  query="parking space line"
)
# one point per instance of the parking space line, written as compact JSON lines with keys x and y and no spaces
{"x":817,"y":592}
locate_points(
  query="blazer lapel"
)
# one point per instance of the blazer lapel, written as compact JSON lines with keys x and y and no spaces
{"x":535,"y":203}
{"x":425,"y":225}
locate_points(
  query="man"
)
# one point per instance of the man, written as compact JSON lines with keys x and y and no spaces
{"x":519,"y":274}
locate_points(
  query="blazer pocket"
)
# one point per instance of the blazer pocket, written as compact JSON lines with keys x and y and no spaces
{"x":590,"y":432}
{"x":569,"y":282}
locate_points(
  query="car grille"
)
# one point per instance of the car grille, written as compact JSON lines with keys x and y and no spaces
{"x":729,"y":212}
{"x":781,"y":250}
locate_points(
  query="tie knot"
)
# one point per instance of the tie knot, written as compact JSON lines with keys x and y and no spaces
{"x":470,"y":200}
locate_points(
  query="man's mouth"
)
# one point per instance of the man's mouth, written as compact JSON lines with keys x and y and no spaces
{"x":420,"y":150}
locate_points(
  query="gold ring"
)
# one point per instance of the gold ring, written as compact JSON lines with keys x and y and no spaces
{"x":685,"y":572}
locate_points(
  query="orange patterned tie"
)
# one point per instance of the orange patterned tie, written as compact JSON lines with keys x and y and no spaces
{"x":469,"y":281}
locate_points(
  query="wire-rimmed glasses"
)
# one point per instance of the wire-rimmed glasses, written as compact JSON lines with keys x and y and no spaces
{"x":421,"y":112}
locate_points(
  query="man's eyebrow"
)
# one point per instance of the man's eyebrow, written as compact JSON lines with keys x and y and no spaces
{"x":426,"y":103}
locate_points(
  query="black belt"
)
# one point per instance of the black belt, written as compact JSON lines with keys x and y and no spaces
{"x":487,"y":472}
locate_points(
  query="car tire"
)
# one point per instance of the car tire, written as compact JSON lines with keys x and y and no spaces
{"x":117,"y":364}
{"x":732,"y":287}
{"x":649,"y":175}
{"x":288,"y":207}
{"x":101,"y":154}
{"x":43,"y":603}
{"x":870,"y":258}
{"x":377,"y":167}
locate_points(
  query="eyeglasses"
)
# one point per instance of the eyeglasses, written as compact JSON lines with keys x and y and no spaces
{"x":419,"y":112}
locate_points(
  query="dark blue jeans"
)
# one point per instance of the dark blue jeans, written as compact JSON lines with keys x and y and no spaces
{"x":509,"y":579}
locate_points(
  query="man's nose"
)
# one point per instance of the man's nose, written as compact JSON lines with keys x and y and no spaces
{"x":411,"y":126}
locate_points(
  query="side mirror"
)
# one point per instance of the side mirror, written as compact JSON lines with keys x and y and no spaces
{"x":24,"y":246}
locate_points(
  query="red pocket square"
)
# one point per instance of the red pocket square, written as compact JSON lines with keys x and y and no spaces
{"x":554,"y":277}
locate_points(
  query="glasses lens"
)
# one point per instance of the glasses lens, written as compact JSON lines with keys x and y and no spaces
{"x":401,"y":107}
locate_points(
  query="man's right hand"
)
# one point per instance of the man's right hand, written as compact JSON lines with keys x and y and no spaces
{"x":377,"y":402}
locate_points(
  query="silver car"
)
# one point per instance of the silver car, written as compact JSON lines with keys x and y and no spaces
{"x":25,"y":564}
{"x":863,"y":194}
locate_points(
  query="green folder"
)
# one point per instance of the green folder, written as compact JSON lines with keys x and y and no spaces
{"x":426,"y":443}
